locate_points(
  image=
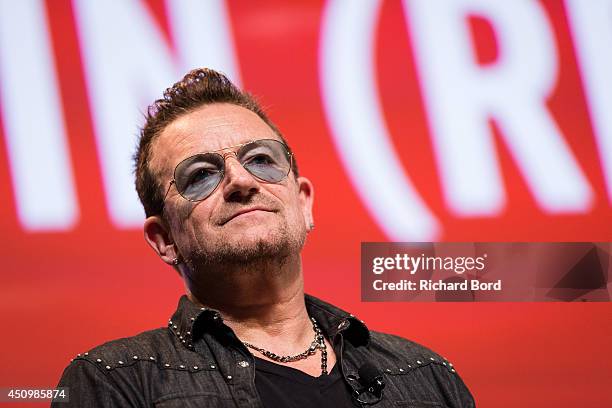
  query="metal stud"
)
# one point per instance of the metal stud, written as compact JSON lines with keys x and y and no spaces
{"x":213,"y":366}
{"x":108,"y":367}
{"x":86,"y":354}
{"x":229,"y":377}
{"x":188,"y":333}
{"x":166,"y":365}
{"x":195,"y":367}
{"x":419,"y":362}
{"x":443,"y":363}
{"x":182,"y":366}
{"x":152,"y":358}
{"x":432,"y":359}
{"x":401,"y":370}
{"x":120,"y":362}
{"x":183,"y":341}
{"x":388,"y":370}
{"x":192,"y":319}
{"x":79,"y":355}
{"x":243,"y":364}
{"x":453,"y":370}
{"x":135,"y":357}
{"x":98,"y":360}
{"x":409,"y":366}
{"x":175,"y":327}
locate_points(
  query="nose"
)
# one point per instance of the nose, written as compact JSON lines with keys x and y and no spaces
{"x":239,"y":184}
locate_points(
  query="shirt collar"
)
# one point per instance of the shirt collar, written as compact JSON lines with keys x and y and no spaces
{"x":190,"y":321}
{"x":334,"y":320}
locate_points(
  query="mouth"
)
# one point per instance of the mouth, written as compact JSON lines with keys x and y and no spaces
{"x":244,"y":211}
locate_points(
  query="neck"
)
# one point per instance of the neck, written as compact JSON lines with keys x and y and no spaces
{"x":263,"y":302}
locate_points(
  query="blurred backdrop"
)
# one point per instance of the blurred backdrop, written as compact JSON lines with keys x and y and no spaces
{"x":464,"y":120}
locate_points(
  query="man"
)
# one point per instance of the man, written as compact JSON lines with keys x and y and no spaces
{"x":227,"y":208}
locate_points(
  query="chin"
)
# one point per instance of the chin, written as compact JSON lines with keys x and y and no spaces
{"x":256,"y":243}
{"x":242,"y":243}
{"x":258,"y":240}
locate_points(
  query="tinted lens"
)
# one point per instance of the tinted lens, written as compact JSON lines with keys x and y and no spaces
{"x":267,"y":159}
{"x":197,"y":177}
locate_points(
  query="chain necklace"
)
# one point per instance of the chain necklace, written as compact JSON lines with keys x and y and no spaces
{"x":317,"y":343}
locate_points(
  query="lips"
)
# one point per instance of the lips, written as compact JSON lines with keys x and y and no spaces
{"x":244,"y":211}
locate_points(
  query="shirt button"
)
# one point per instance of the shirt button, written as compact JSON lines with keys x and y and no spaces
{"x":243,"y":364}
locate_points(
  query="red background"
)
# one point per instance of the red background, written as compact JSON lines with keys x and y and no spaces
{"x":63,"y":293}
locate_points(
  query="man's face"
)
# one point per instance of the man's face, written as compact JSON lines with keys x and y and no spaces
{"x":244,"y":218}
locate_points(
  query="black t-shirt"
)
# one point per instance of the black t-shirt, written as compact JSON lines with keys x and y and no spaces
{"x":286,"y":387}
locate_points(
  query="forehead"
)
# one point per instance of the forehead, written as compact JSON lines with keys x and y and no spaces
{"x":209,"y":128}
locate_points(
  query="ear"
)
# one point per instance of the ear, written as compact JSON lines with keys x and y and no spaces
{"x":158,"y":236}
{"x":306,"y":197}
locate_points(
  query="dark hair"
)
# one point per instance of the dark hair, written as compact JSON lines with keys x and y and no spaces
{"x":199,"y":87}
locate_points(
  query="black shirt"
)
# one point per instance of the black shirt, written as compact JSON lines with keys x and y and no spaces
{"x":282,"y":386}
{"x":197,"y":361}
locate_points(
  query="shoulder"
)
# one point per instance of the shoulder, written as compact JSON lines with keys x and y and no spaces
{"x":116,"y":352}
{"x":403,"y":355}
{"x":153,"y":347}
{"x":108,"y":374}
{"x":412,"y":366}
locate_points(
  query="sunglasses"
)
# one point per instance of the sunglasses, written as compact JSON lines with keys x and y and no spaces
{"x":198,"y":176}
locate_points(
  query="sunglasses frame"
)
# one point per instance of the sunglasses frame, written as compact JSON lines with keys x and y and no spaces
{"x":236,"y":148}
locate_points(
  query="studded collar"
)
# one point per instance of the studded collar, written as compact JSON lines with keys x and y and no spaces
{"x":190,"y":321}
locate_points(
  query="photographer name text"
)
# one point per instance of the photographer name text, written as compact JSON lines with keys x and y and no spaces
{"x":415,"y":264}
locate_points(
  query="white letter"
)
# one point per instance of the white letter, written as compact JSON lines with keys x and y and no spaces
{"x":416,"y":261}
{"x":354,"y":113}
{"x":128,"y":65}
{"x":33,"y":120}
{"x":591,"y":23}
{"x":377,"y":262}
{"x":461,"y":96}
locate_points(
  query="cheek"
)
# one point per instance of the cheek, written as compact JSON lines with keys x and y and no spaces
{"x":294,"y":209}
{"x":298,"y":214}
{"x":189,"y":223}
